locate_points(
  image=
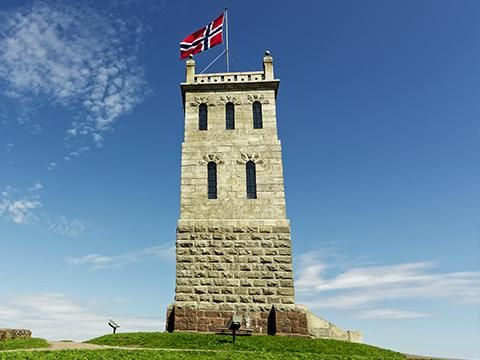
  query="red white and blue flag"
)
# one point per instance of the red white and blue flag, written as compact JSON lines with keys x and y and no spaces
{"x":203,"y":39}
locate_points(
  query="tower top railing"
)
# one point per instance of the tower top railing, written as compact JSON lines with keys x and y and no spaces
{"x":230,"y":77}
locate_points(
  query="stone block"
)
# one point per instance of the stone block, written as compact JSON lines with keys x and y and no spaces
{"x":183,"y":229}
{"x":255,"y":291}
{"x":281,"y":229}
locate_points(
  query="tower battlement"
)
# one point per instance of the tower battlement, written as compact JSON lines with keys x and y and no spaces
{"x":230,"y":77}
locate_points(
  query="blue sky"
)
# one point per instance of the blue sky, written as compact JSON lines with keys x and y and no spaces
{"x":378,"y":114}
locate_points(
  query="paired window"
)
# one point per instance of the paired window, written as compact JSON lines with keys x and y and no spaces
{"x":202,"y":117}
{"x":251,"y":176}
{"x":257,"y":115}
{"x":212,"y":180}
{"x":251,"y":180}
{"x":230,"y":116}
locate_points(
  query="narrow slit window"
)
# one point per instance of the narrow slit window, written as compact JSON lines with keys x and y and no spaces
{"x":251,"y":180}
{"x":212,"y":180}
{"x":257,"y":115}
{"x":202,"y":117}
{"x":230,"y":116}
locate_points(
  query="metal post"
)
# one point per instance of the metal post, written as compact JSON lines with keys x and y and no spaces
{"x":226,"y":39}
{"x":234,"y":330}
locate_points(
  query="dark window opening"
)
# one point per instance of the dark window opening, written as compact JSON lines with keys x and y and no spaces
{"x":257,"y":115}
{"x":230,"y":116}
{"x":212,"y":180}
{"x":202,"y":117}
{"x":251,"y":180}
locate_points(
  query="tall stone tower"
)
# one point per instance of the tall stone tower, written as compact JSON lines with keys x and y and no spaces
{"x":233,"y":246}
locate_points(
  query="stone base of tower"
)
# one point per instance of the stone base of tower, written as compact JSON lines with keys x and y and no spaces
{"x":286,"y":320}
{"x":282,"y":320}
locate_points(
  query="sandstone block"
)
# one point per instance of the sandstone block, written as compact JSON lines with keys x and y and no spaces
{"x":282,"y":259}
{"x":285,"y":291}
{"x":183,"y":229}
{"x":281,"y":229}
{"x":269,"y":291}
{"x":259,"y":299}
{"x":200,"y":290}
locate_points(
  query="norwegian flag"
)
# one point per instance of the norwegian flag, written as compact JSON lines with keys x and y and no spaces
{"x":203,"y":39}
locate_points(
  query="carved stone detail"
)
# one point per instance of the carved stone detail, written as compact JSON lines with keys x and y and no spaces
{"x":224,"y":99}
{"x":216,"y":158}
{"x":201,"y":100}
{"x":246,"y":157}
{"x":257,"y":97}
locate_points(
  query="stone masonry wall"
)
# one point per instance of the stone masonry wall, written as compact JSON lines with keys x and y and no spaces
{"x":234,"y":267}
{"x":7,"y":334}
{"x":281,"y":320}
{"x":230,"y":150}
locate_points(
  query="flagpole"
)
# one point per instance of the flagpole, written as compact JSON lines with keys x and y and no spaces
{"x":226,"y":38}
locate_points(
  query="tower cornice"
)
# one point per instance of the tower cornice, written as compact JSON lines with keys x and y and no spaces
{"x":218,"y":85}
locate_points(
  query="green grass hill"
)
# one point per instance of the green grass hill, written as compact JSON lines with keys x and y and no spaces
{"x":249,"y":347}
{"x":150,"y":346}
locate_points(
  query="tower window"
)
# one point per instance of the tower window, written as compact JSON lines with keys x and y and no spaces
{"x":257,"y":115}
{"x":202,"y":117}
{"x":251,"y":180}
{"x":230,"y":116}
{"x":212,"y":180}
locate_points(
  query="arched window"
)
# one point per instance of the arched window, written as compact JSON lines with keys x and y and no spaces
{"x":257,"y":115}
{"x":202,"y":117}
{"x":230,"y":116}
{"x":212,"y":180}
{"x":251,"y":180}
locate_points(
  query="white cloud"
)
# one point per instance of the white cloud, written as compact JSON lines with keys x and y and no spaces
{"x":76,"y":153}
{"x":98,"y":262}
{"x":51,"y":166}
{"x":20,"y":207}
{"x":9,"y":147}
{"x":74,"y":56}
{"x":390,"y":314}
{"x":57,"y":317}
{"x":25,"y":207}
{"x":321,"y":285}
{"x":36,"y":187}
{"x":67,"y":227}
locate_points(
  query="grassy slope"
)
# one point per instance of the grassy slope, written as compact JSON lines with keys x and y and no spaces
{"x":271,"y":347}
{"x":23,"y":344}
{"x":165,"y":355}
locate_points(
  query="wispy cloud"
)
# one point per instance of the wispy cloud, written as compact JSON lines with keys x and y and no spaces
{"x":64,"y":226}
{"x":320,"y":284}
{"x":20,"y":207}
{"x":52,"y":165}
{"x":390,"y":314}
{"x":76,"y":153}
{"x":99,"y":262}
{"x":57,"y":317}
{"x":74,"y":56}
{"x":25,"y":207}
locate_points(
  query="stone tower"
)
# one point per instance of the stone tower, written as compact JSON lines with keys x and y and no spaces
{"x":233,"y":246}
